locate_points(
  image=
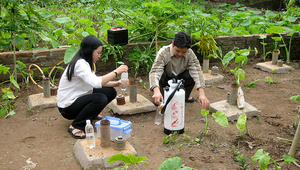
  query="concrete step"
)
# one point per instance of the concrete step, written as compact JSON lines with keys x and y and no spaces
{"x":97,"y":157}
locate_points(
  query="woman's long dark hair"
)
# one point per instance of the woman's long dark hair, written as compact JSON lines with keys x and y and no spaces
{"x":87,"y":46}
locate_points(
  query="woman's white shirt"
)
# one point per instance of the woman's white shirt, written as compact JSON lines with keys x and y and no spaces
{"x":82,"y":83}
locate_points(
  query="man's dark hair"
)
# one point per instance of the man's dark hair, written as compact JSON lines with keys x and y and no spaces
{"x":182,"y":40}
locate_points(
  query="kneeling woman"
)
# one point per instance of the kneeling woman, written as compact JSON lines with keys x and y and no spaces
{"x":81,"y":94}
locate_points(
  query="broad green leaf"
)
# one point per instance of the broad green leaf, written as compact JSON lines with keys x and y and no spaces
{"x":276,"y":38}
{"x":275,"y":30}
{"x":83,"y":21}
{"x":297,"y":97}
{"x":246,"y":23}
{"x":228,"y":57}
{"x":10,"y":95}
{"x":21,"y":63}
{"x":10,"y":114}
{"x":55,"y":44}
{"x":165,"y":140}
{"x":70,"y":53}
{"x":63,"y":20}
{"x":240,"y":74}
{"x":4,"y":69}
{"x":291,"y":2}
{"x":221,"y":118}
{"x":75,"y":42}
{"x":84,"y":34}
{"x":14,"y":82}
{"x":91,"y":31}
{"x":239,"y":58}
{"x":296,"y":27}
{"x":173,"y":163}
{"x":270,"y":14}
{"x":128,"y":159}
{"x":251,"y":84}
{"x":241,"y":122}
{"x":288,"y":158}
{"x":263,"y":158}
{"x":204,"y":112}
{"x":3,"y":111}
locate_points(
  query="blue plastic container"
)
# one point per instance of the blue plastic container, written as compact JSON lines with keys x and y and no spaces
{"x":118,"y":127}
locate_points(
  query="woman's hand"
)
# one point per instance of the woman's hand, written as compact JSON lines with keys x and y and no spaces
{"x":122,"y":69}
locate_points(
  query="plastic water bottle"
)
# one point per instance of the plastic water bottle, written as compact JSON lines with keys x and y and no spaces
{"x":124,"y":79}
{"x":89,"y":134}
{"x":158,"y":115}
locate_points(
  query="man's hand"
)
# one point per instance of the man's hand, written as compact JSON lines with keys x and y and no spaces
{"x":203,"y":101}
{"x":157,"y":96}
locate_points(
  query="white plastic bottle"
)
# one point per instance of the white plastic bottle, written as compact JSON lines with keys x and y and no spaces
{"x":158,"y":115}
{"x":90,"y":135}
{"x":124,"y":79}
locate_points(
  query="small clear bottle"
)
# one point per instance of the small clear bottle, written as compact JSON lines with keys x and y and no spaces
{"x":89,"y":134}
{"x":159,"y":115}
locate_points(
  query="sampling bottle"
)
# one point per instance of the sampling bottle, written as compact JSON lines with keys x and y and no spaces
{"x":159,"y":115}
{"x":90,"y":135}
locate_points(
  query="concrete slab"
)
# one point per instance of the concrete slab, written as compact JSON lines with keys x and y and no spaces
{"x":268,"y":67}
{"x":97,"y":157}
{"x":211,"y":79}
{"x":233,"y":112}
{"x":142,"y":105}
{"x":38,"y":100}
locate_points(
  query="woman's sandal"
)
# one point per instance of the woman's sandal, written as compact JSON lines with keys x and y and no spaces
{"x":98,"y":118}
{"x":70,"y":131}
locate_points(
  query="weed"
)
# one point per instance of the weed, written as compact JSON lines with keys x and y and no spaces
{"x":128,"y":159}
{"x":198,"y":140}
{"x":264,"y":159}
{"x":214,"y":145}
{"x":218,"y":116}
{"x":242,"y":123}
{"x":144,"y":84}
{"x":241,"y":135}
{"x":241,"y":158}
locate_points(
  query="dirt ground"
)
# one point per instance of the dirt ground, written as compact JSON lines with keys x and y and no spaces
{"x":40,"y":135}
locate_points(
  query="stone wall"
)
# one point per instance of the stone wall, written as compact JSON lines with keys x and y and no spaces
{"x":50,"y":57}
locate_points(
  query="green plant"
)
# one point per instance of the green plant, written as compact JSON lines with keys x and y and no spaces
{"x":18,"y":18}
{"x":264,"y":159}
{"x":206,"y":44}
{"x":144,"y":84}
{"x":242,"y":123}
{"x":6,"y":102}
{"x":218,"y":116}
{"x":263,"y":37}
{"x":240,"y":58}
{"x":241,"y":135}
{"x":270,"y":80}
{"x":142,"y":59}
{"x":20,"y":71}
{"x":114,"y":50}
{"x":173,"y":163}
{"x":128,"y":159}
{"x":170,"y":163}
{"x":278,"y":30}
{"x":242,"y":159}
{"x":172,"y":138}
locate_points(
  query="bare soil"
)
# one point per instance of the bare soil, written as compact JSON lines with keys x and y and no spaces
{"x":41,"y":134}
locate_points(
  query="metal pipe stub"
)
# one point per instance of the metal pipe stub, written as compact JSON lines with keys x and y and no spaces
{"x":120,"y":143}
{"x":120,"y":99}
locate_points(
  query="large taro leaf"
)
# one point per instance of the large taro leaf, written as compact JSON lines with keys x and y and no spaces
{"x":221,"y":118}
